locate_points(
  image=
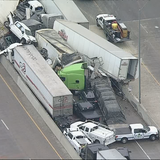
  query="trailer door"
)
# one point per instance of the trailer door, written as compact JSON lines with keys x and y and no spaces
{"x":123,"y":69}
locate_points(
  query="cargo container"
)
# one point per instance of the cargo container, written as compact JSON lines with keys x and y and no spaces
{"x":68,"y":9}
{"x":117,"y":63}
{"x":43,"y":81}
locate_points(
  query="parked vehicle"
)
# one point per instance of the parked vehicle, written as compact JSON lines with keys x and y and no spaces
{"x":136,"y":132}
{"x":96,"y":131}
{"x":20,"y":30}
{"x":91,"y":45}
{"x":77,"y":139}
{"x":114,"y":30}
{"x":42,"y":80}
{"x":86,"y":111}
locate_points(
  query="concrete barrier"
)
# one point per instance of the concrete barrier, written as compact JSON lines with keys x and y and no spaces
{"x":39,"y":108}
{"x":138,"y":107}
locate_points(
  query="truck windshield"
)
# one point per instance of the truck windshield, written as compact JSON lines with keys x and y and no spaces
{"x":94,"y":128}
{"x":146,"y":128}
{"x":80,"y":137}
{"x":39,"y":9}
{"x":28,"y":32}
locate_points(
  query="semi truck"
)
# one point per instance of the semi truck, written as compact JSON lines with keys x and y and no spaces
{"x":68,"y":9}
{"x":117,"y":63}
{"x":42,"y":80}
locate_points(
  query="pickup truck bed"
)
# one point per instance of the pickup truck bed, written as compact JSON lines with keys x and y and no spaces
{"x":121,"y":131}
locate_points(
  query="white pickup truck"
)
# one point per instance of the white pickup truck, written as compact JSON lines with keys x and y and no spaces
{"x":135,"y":132}
{"x":77,"y":139}
{"x":96,"y":131}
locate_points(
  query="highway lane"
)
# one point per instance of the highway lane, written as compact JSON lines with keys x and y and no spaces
{"x":127,"y":11}
{"x":23,"y":132}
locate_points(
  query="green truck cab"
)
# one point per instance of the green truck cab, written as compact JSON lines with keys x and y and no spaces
{"x":74,"y":76}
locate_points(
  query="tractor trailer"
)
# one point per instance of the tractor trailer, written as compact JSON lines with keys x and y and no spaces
{"x":117,"y":63}
{"x":43,"y":81}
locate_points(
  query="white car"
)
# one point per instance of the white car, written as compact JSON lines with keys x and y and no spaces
{"x":77,"y":139}
{"x":98,"y":132}
{"x":20,"y":30}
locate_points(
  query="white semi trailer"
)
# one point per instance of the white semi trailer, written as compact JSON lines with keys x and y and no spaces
{"x":68,"y":9}
{"x":117,"y":63}
{"x":43,"y":81}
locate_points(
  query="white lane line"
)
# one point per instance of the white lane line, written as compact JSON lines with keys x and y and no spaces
{"x":144,"y":28}
{"x":143,"y":150}
{"x":4,"y":124}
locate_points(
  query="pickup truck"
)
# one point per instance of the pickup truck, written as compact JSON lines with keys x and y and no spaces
{"x":77,"y":139}
{"x":98,"y":132}
{"x":135,"y":132}
{"x":86,"y":111}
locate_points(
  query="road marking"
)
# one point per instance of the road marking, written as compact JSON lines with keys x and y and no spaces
{"x":31,"y":117}
{"x":4,"y":124}
{"x":142,"y":150}
{"x":144,"y":28}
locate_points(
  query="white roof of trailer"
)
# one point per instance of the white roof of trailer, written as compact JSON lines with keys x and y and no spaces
{"x":70,"y":11}
{"x":55,"y":40}
{"x":42,"y":70}
{"x":101,"y":42}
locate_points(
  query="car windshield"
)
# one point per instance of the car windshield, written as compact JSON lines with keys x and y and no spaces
{"x":39,"y":9}
{"x":80,"y":137}
{"x":28,"y":32}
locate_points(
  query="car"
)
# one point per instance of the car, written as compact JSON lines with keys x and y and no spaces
{"x":20,"y":30}
{"x":77,"y":139}
{"x":86,"y":111}
{"x":88,"y":95}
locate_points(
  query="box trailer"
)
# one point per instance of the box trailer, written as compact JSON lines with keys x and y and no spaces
{"x":43,"y":81}
{"x":68,"y":9}
{"x":117,"y":63}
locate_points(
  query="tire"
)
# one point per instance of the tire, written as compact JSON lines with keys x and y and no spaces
{"x":152,"y":137}
{"x":23,"y":41}
{"x":124,"y":140}
{"x":97,"y":141}
{"x":97,"y":23}
{"x":6,"y":24}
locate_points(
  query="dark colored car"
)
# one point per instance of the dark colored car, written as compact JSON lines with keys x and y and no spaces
{"x":86,"y":111}
{"x":64,"y":121}
{"x":88,"y":96}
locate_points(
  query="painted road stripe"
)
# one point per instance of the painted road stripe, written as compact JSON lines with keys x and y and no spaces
{"x":4,"y":124}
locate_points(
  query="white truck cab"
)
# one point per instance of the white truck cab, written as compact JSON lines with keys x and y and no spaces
{"x":97,"y":132}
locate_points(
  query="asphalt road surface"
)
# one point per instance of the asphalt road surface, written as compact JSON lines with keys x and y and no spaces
{"x":23,"y":133}
{"x":127,"y":11}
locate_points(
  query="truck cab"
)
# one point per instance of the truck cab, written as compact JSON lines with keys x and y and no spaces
{"x":74,"y":76}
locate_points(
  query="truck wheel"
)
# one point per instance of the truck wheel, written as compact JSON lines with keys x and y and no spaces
{"x":23,"y":41}
{"x":124,"y":140}
{"x":97,"y":141}
{"x":6,"y":24}
{"x":152,"y":137}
